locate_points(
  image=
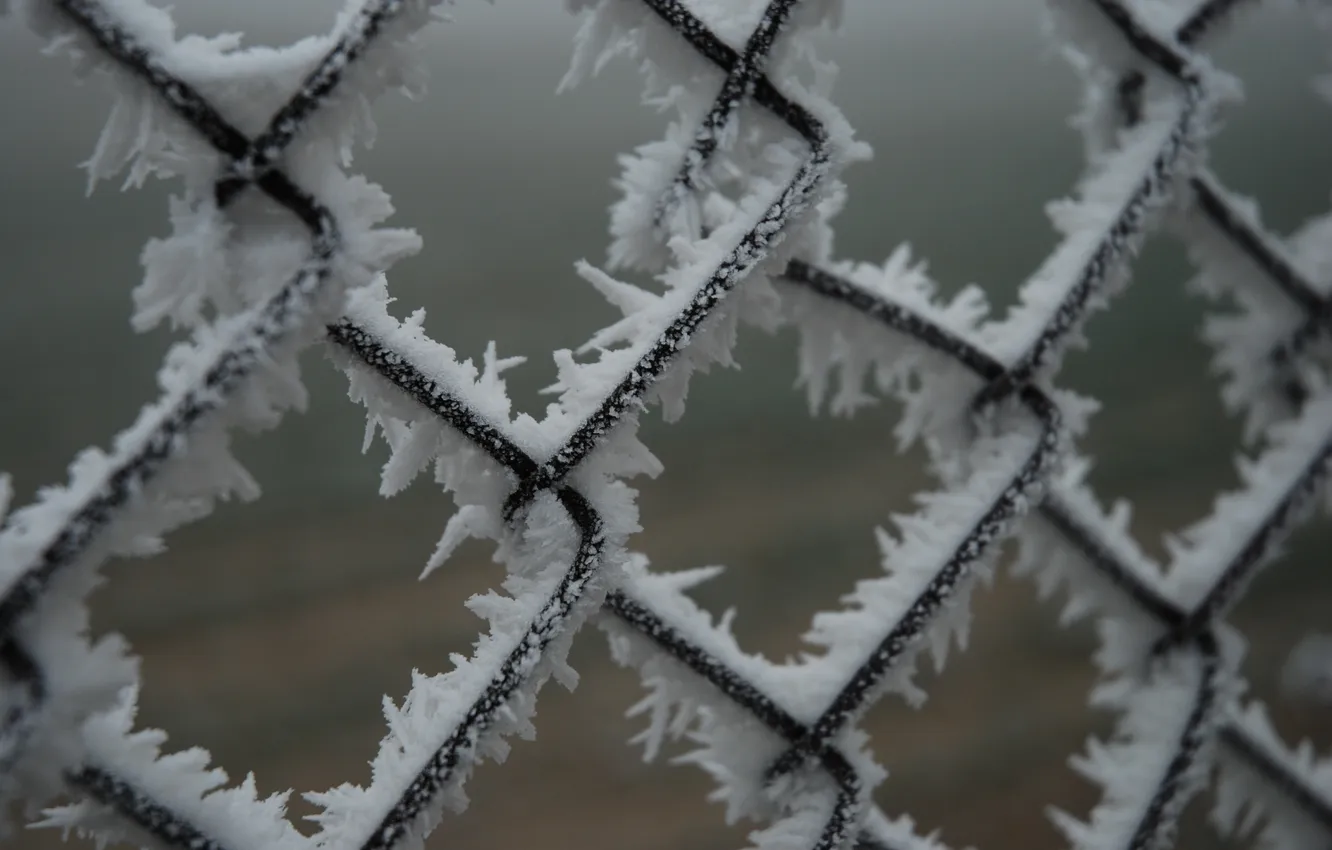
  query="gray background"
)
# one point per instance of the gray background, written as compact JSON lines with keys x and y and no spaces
{"x":269,"y":631}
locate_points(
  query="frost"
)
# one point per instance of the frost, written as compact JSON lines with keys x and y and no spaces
{"x":1248,"y":802}
{"x":190,"y":799}
{"x":251,"y":288}
{"x":1272,"y":285}
{"x":274,"y":246}
{"x":931,"y":563}
{"x":1164,"y":718}
{"x":1213,"y":558}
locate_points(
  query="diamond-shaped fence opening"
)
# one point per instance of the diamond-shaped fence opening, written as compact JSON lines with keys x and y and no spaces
{"x":275,"y":247}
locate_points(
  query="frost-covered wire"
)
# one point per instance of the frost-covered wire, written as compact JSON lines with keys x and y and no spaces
{"x":238,"y":370}
{"x":1223,"y":230}
{"x":1068,"y":511}
{"x":1172,"y":790}
{"x":599,"y":402}
{"x":732,"y":210}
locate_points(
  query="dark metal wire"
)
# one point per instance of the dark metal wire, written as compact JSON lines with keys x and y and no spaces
{"x":255,"y":163}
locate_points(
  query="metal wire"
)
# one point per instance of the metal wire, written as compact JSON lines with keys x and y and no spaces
{"x":1019,"y":385}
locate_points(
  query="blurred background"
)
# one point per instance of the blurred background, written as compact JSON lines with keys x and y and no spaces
{"x":270,"y":631}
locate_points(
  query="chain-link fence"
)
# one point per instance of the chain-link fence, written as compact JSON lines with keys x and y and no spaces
{"x":274,"y":248}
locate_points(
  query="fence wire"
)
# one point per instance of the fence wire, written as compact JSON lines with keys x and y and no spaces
{"x":1002,"y":443}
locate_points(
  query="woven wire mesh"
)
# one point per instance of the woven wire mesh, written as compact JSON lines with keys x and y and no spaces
{"x":782,"y":738}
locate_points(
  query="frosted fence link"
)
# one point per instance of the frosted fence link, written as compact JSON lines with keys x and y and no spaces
{"x":1003,"y":513}
{"x":636,"y":382}
{"x":269,"y":324}
{"x":1287,"y":504}
{"x":1265,"y":252}
{"x":1180,"y":625}
{"x":638,"y":614}
{"x":264,"y":151}
{"x":141,"y":809}
{"x":1271,"y":767}
{"x":1267,"y":255}
{"x":1164,"y":802}
{"x":1129,"y":228}
{"x":1188,"y":632}
{"x":399,"y":371}
{"x":395,"y":367}
{"x":522,"y":660}
{"x":1278,"y":270}
{"x":250,"y":163}
{"x":741,"y":77}
{"x":993,"y":526}
{"x":1186,"y":749}
{"x":1271,"y":527}
{"x":1106,"y":263}
{"x":733,"y":685}
{"x":1209,"y":609}
{"x":273,"y":320}
{"x":1209,"y":198}
{"x":1064,"y":320}
{"x":1294,"y":505}
{"x":264,"y":328}
{"x":1232,"y":734}
{"x":738,"y":262}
